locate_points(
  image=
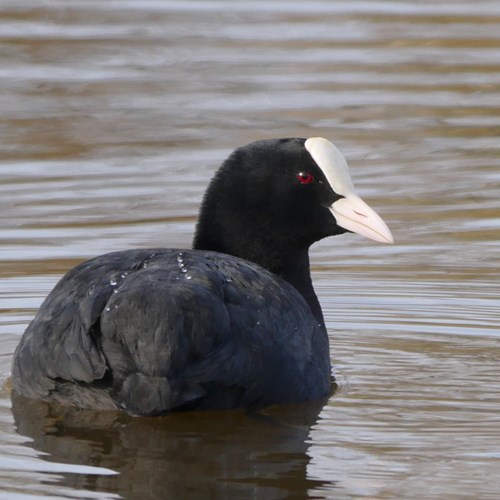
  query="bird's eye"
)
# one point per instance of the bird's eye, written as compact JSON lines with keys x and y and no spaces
{"x":305,"y":177}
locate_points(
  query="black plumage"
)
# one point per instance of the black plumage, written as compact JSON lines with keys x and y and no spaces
{"x":233,"y":322}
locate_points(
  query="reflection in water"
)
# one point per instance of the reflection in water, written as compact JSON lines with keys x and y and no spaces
{"x":201,"y":454}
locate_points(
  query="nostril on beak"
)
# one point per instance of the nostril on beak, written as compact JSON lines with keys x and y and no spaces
{"x":360,"y":214}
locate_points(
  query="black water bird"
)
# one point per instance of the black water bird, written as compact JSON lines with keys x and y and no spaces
{"x":233,"y":322}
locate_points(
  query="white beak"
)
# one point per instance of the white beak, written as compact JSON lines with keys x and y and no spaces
{"x":353,"y":214}
{"x":350,"y":212}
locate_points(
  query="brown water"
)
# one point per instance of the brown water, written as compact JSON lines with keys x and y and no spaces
{"x":113,"y":117}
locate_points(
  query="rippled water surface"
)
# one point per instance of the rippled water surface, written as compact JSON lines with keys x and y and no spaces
{"x":114,"y":116}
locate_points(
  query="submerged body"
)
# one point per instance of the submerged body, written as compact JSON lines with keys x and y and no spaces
{"x":151,"y":331}
{"x":232,"y":323}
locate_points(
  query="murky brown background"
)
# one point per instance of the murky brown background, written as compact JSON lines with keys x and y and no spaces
{"x":114,"y":114}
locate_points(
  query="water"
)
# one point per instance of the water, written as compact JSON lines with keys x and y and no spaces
{"x":115,"y":114}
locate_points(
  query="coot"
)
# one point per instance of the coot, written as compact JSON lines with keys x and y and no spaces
{"x":233,"y":322}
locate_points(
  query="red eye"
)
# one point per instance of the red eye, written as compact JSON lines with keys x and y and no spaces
{"x":305,"y":177}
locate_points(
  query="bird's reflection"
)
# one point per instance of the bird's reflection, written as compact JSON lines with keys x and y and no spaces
{"x":227,"y":454}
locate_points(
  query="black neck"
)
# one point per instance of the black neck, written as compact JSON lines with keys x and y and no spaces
{"x":297,"y":272}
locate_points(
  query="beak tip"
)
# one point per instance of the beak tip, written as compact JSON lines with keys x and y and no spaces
{"x":386,"y":238}
{"x":390,"y":239}
{"x":384,"y":233}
